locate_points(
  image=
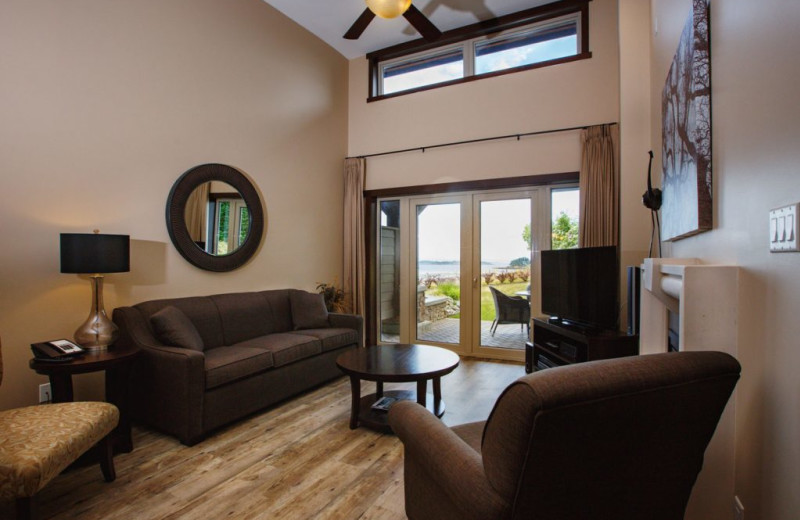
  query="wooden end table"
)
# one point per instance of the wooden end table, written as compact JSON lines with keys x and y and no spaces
{"x":395,"y":363}
{"x":116,"y":362}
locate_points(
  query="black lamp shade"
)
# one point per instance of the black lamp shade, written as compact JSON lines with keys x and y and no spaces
{"x":92,"y":253}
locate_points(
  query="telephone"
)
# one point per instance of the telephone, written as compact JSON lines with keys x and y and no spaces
{"x":56,"y":350}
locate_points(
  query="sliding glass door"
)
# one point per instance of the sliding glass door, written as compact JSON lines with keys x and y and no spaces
{"x":437,"y":271}
{"x":502,"y":228}
{"x":461,"y":271}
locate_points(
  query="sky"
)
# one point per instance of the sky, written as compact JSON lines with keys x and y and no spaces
{"x":488,"y":63}
{"x":502,"y":222}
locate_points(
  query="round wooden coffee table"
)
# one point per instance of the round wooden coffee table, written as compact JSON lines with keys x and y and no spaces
{"x":395,"y":364}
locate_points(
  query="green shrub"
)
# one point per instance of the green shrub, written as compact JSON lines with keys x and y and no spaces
{"x":565,"y":232}
{"x":450,"y":289}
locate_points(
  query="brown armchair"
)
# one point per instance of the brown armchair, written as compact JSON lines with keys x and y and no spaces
{"x":617,"y":439}
{"x":510,"y":309}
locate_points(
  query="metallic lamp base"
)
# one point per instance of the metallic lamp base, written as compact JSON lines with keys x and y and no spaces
{"x":97,"y":332}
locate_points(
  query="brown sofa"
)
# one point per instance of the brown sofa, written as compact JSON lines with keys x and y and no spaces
{"x":619,"y":439}
{"x":210,"y":360}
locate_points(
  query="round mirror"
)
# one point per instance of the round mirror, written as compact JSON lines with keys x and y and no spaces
{"x":214,"y":217}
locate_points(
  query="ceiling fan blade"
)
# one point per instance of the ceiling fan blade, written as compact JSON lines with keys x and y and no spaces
{"x":421,"y":23}
{"x":361,"y":23}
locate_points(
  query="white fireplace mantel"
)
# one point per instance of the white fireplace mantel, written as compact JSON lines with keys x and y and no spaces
{"x":705,"y":297}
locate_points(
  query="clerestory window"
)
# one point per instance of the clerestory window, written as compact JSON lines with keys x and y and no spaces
{"x":512,"y":43}
{"x":428,"y":69}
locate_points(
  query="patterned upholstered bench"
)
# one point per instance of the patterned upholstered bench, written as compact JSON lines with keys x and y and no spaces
{"x":39,"y":442}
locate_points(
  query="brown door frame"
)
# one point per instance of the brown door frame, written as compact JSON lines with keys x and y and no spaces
{"x":370,"y":223}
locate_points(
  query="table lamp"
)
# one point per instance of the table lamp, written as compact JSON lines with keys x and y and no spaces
{"x":95,"y":254}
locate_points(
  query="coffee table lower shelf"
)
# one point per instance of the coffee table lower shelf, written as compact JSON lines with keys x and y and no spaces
{"x":377,"y":419}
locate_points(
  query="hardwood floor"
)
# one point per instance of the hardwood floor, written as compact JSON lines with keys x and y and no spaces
{"x":294,"y":461}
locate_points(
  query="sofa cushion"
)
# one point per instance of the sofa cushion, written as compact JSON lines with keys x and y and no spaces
{"x":285,"y":348}
{"x":332,"y":338}
{"x":226,"y":364}
{"x":200,"y":309}
{"x":244,"y":316}
{"x":278,"y":300}
{"x":308,"y":310}
{"x":471,"y":433}
{"x":173,"y":327}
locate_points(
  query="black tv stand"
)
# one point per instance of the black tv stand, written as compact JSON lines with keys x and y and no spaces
{"x":576,"y":326}
{"x":564,"y":343}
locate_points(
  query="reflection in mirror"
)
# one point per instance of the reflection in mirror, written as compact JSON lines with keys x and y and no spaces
{"x":217,"y":218}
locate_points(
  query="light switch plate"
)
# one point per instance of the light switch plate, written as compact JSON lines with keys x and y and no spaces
{"x":783,"y":226}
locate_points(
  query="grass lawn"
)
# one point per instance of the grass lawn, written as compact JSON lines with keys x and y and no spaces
{"x":487,"y":303}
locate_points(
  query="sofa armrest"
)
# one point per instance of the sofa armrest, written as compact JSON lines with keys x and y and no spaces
{"x":451,"y":464}
{"x":348,"y":321}
{"x":167,"y":383}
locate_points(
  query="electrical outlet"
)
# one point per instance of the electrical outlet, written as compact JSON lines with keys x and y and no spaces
{"x":45,"y":395}
{"x":738,"y":509}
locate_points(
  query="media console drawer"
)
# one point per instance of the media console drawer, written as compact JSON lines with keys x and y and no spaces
{"x":563,"y":348}
{"x":557,"y":345}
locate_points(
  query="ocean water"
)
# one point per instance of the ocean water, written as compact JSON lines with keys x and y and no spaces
{"x":453,"y":269}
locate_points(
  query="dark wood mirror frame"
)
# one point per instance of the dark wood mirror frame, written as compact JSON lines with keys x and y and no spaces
{"x":176,"y":219}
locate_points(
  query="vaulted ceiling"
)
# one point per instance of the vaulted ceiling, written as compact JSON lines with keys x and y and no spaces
{"x":330,"y":19}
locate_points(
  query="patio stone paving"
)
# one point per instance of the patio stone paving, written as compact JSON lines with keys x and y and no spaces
{"x":446,"y":331}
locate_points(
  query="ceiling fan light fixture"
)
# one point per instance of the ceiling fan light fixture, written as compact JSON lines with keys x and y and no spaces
{"x":388,"y":8}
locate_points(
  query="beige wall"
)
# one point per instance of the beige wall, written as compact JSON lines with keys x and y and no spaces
{"x":571,"y":94}
{"x":755,"y":72}
{"x":103,"y":105}
{"x":634,"y":98}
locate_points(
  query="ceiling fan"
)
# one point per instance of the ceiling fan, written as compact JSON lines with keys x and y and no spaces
{"x":393,"y":9}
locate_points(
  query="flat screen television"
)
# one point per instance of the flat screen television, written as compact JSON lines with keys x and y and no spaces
{"x":581,"y":286}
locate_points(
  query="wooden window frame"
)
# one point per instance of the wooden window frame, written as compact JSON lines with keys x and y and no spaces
{"x":490,"y":27}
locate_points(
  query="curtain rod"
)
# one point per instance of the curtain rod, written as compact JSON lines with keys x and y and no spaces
{"x":483,"y":139}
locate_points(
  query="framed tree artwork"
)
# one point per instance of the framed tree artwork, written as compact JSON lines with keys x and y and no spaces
{"x":686,"y":136}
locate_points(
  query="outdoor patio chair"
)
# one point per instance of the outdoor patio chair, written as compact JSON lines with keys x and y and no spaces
{"x":510,"y":309}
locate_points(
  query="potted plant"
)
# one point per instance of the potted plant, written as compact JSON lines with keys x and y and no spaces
{"x":335,"y":298}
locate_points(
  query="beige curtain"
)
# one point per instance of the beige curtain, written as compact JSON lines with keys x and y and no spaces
{"x":354,"y":246}
{"x":195,"y":214}
{"x":599,"y":186}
